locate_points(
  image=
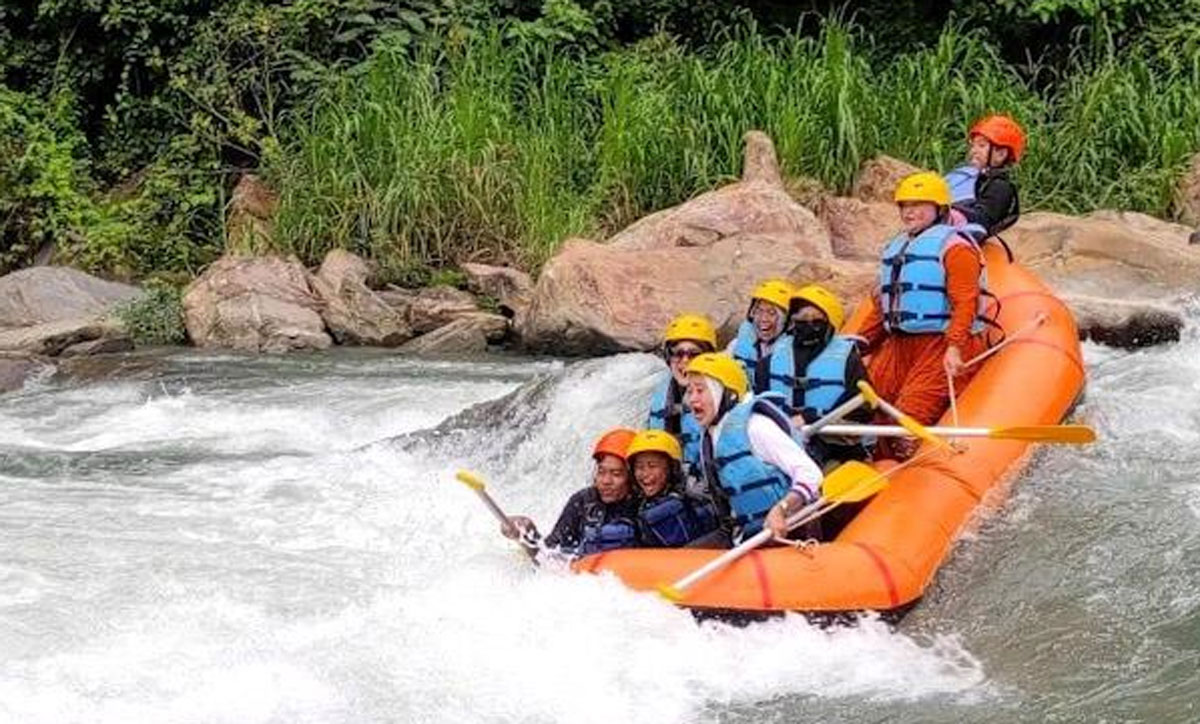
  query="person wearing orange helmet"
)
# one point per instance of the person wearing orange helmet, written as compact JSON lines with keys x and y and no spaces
{"x":983,"y":192}
{"x":930,"y":308}
{"x":602,"y":516}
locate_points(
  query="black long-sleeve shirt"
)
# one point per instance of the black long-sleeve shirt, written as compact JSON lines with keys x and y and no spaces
{"x":995,"y":206}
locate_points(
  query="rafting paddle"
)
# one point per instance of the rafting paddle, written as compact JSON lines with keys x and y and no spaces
{"x":849,"y":483}
{"x":474,"y":482}
{"x":1070,"y":434}
{"x":917,"y":429}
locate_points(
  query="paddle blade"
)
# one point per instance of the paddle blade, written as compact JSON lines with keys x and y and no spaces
{"x":851,"y":482}
{"x":1070,"y":434}
{"x":669,"y":592}
{"x":469,"y":479}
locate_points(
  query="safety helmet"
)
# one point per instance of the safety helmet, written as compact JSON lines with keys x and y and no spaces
{"x":659,"y":441}
{"x":691,"y":327}
{"x":775,"y":291}
{"x":923,"y":186}
{"x":722,"y":368}
{"x":822,"y":299}
{"x":1001,"y":131}
{"x":614,"y":442}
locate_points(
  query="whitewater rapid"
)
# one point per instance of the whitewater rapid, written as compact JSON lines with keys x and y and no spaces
{"x":279,"y":539}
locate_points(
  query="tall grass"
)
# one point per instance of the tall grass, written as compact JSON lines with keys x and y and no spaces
{"x":499,"y":149}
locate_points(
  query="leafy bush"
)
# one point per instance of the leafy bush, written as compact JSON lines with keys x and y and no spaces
{"x":156,"y":317}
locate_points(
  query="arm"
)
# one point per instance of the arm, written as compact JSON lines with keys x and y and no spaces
{"x":962,"y":287}
{"x":772,"y":445}
{"x":568,"y":530}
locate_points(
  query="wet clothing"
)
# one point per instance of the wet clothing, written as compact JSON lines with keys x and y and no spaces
{"x":675,"y":518}
{"x":754,"y":355}
{"x":907,"y":369}
{"x":589,"y":525}
{"x":751,"y":459}
{"x":986,"y":199}
{"x":668,"y":412}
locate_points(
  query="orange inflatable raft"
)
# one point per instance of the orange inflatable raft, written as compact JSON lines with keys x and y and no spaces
{"x":886,"y":557}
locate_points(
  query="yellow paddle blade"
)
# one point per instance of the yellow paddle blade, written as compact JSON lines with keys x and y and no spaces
{"x":469,"y":479}
{"x":1073,"y":434}
{"x":851,"y":482}
{"x":669,"y":592}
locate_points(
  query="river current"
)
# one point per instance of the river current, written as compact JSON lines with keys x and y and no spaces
{"x":248,"y":540}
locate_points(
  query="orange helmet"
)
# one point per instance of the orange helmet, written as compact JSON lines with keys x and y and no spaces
{"x":614,"y":442}
{"x":1001,"y":131}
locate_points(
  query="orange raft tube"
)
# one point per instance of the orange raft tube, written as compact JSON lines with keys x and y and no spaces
{"x":884,"y":559}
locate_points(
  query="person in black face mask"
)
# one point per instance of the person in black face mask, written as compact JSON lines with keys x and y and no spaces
{"x":816,"y":369}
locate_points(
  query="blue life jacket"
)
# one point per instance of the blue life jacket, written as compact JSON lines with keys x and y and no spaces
{"x":673,"y":519}
{"x":745,"y":349}
{"x":824,"y":380}
{"x":600,"y":535}
{"x":750,"y":486}
{"x":962,"y":183}
{"x":675,"y":418}
{"x":912,"y":284}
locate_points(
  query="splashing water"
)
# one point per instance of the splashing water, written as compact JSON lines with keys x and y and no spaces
{"x":279,"y":540}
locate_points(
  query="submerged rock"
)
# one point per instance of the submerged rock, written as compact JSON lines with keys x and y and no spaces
{"x":353,"y":312}
{"x":1126,"y":323}
{"x":15,"y":369}
{"x":469,"y":334}
{"x":54,"y":293}
{"x":262,"y":304}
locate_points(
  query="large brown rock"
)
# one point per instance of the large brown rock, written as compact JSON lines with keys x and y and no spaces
{"x":512,"y":288}
{"x":1187,"y":195}
{"x":250,"y":218}
{"x":429,"y":308}
{"x":353,"y":313}
{"x":261,"y":304}
{"x":53,"y":293}
{"x":15,"y":369}
{"x":703,"y":256}
{"x":858,"y":229}
{"x":877,"y":179}
{"x":52,"y":338}
{"x":1127,"y":323}
{"x":467,"y":335}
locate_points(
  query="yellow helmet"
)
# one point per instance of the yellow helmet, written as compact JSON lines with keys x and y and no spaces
{"x":658,"y":441}
{"x":692,"y":327}
{"x":923,"y":186}
{"x":775,"y":291}
{"x":722,"y":368}
{"x":822,"y":299}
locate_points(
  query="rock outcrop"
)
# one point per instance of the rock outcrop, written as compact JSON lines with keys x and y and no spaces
{"x":429,"y":308}
{"x":702,"y":256}
{"x":467,"y":335}
{"x":877,"y":179}
{"x":79,"y":335}
{"x":54,"y":294}
{"x":511,"y":288}
{"x":261,"y":304}
{"x":15,"y":369}
{"x":250,"y":217}
{"x":353,"y":313}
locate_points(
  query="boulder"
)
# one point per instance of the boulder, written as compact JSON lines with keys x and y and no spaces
{"x":858,"y":229}
{"x":15,"y":369}
{"x":261,"y":304}
{"x":703,"y":256}
{"x":429,"y":308}
{"x":1187,"y":194}
{"x":250,"y":216}
{"x":512,"y":288}
{"x":1127,"y":323}
{"x":54,"y":293}
{"x":52,"y":338}
{"x":877,"y":179}
{"x":353,"y":313}
{"x":103,"y":345}
{"x":467,"y":335}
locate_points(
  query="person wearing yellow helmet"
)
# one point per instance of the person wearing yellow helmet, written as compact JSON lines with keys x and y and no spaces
{"x":669,"y":516}
{"x":929,"y":311}
{"x":766,"y":320}
{"x":752,"y":458}
{"x":686,"y":337}
{"x":815,"y":369}
{"x":600,"y":517}
{"x":983,"y":193}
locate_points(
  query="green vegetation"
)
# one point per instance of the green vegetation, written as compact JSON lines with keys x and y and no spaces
{"x":155,"y":318}
{"x":427,"y":132}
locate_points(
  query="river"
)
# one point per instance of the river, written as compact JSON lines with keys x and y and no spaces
{"x":278,"y":539}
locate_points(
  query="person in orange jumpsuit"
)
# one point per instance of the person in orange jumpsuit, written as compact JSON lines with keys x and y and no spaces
{"x":928,"y":313}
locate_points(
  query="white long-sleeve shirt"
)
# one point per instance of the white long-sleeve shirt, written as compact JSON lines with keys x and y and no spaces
{"x":772,"y":445}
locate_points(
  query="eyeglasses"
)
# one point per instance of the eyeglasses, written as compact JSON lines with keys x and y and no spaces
{"x":682,"y":353}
